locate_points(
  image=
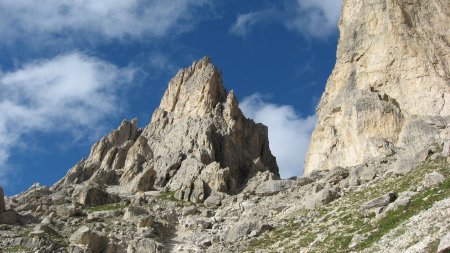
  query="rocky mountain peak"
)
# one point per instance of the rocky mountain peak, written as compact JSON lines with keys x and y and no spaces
{"x":194,"y":90}
{"x":197,"y":144}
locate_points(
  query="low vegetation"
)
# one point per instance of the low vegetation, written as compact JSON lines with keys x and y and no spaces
{"x":331,"y":228}
{"x":15,"y":249}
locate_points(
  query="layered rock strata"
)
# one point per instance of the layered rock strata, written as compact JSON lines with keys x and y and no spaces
{"x":390,"y":87}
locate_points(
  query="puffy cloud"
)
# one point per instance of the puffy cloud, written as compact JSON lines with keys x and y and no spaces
{"x":97,"y":18}
{"x":315,"y":18}
{"x":312,"y":18}
{"x":71,"y":93}
{"x":289,"y":133}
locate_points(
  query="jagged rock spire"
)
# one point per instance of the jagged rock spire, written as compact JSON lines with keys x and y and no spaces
{"x":194,"y":90}
{"x":201,"y":140}
{"x":198,"y":142}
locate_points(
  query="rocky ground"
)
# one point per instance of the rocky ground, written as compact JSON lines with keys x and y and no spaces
{"x":376,"y":207}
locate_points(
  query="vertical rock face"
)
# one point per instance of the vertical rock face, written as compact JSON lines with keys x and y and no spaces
{"x":198,"y":142}
{"x":390,"y":87}
{"x":2,"y":201}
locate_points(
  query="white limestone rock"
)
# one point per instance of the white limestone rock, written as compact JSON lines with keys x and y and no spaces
{"x":89,"y":239}
{"x":390,"y":87}
{"x":433,"y":179}
{"x":198,"y":142}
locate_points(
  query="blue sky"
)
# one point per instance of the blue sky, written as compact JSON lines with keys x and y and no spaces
{"x":72,"y":70}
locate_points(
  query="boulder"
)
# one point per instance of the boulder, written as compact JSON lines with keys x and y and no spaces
{"x":245,"y":228}
{"x":337,"y":175}
{"x":144,"y":181}
{"x":320,"y":194}
{"x":189,"y":210}
{"x":432,"y":179}
{"x":41,"y":230}
{"x":148,"y":246}
{"x":403,"y":200}
{"x":214,"y":200}
{"x":93,"y":195}
{"x":272,"y":187}
{"x":10,"y":217}
{"x":328,"y":195}
{"x":145,"y":221}
{"x":89,"y":239}
{"x":380,"y":201}
{"x":134,"y":214}
{"x":203,"y":239}
{"x":66,"y":211}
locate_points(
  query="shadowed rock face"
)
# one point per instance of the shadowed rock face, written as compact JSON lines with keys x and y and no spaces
{"x":390,"y":87}
{"x":2,"y":200}
{"x":198,"y":142}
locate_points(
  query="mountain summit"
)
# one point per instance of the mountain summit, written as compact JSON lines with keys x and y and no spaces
{"x":197,"y":143}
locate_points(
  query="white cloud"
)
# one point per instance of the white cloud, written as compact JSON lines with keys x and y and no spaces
{"x":312,"y":18}
{"x":245,"y":22}
{"x":315,"y":18}
{"x":97,"y":18}
{"x":289,"y":133}
{"x":70,"y":93}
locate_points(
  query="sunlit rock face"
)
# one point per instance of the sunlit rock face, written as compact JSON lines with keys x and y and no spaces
{"x":198,"y":142}
{"x":390,"y":87}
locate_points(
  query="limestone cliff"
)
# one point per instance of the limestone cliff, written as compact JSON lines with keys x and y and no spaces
{"x":198,"y":142}
{"x":390,"y":87}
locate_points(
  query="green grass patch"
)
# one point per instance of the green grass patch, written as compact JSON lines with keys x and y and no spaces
{"x":419,"y":202}
{"x":432,"y":247}
{"x":167,"y":196}
{"x":279,"y":234}
{"x":16,"y":249}
{"x":337,"y":222}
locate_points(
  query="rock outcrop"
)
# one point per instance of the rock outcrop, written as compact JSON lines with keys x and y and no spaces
{"x":201,"y":141}
{"x":86,"y":238}
{"x":390,"y":87}
{"x":2,"y":201}
{"x":198,"y":142}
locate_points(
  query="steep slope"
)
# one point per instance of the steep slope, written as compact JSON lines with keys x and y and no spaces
{"x":198,"y":142}
{"x":390,"y":87}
